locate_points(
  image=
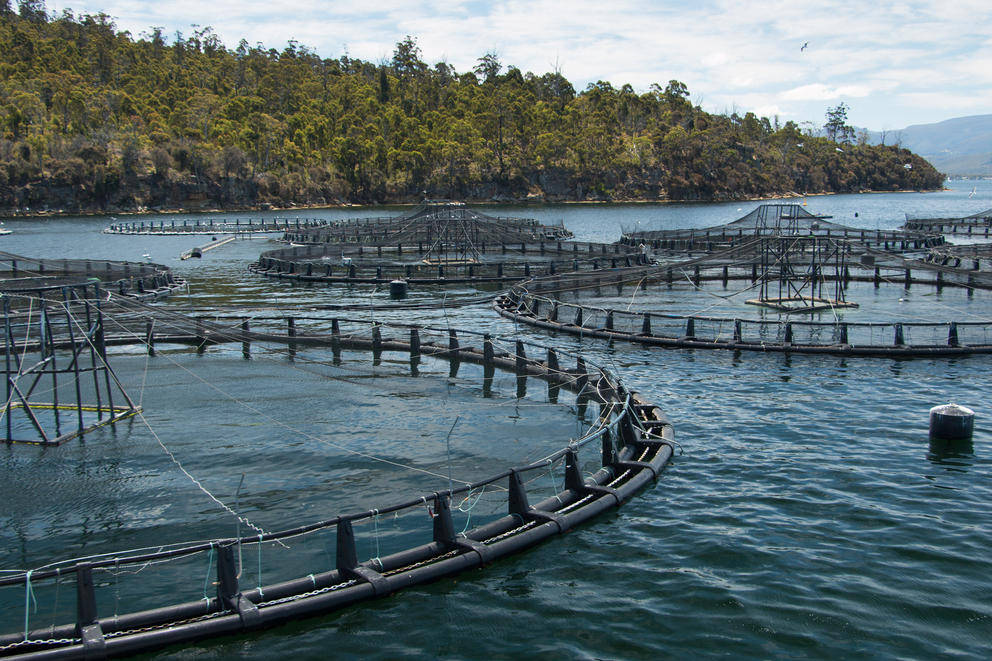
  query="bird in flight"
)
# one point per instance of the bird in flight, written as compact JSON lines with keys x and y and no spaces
{"x":804,"y":46}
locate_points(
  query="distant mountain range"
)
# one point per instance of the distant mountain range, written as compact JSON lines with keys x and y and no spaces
{"x":959,"y":147}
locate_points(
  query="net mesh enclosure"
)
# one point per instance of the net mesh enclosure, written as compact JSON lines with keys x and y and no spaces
{"x":819,"y":295}
{"x":235,"y":226}
{"x":59,"y":384}
{"x":499,"y":500}
{"x":790,"y":220}
{"x":422,"y":222}
{"x":976,"y":225}
{"x":32,"y":277}
{"x":438,"y":244}
{"x":58,"y":381}
{"x":442,"y":263}
{"x":966,"y":257}
{"x":434,"y":223}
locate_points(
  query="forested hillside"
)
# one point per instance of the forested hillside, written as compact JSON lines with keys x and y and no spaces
{"x":93,"y":119}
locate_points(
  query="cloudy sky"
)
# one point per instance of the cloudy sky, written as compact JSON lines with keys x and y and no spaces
{"x":894,"y":63}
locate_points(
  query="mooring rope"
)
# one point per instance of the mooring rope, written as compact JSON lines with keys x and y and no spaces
{"x":551,"y":474}
{"x":55,"y":600}
{"x":193,"y":479}
{"x":28,"y":598}
{"x":210,"y":567}
{"x":259,"y":577}
{"x":375,"y":524}
{"x":468,"y":510}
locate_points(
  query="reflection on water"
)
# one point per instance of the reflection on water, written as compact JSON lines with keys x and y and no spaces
{"x":951,"y":452}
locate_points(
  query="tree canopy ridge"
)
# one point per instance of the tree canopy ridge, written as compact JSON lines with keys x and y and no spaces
{"x":93,"y":119}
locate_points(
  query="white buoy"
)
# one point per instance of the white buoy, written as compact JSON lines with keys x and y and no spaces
{"x":952,"y":422}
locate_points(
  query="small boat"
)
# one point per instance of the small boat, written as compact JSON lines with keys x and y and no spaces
{"x":4,"y":230}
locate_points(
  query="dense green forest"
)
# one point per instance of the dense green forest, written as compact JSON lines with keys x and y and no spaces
{"x":95,"y":119}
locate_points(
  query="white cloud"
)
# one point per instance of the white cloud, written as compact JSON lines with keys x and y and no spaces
{"x":821,"y":92}
{"x":770,"y":111}
{"x":731,"y":52}
{"x":967,"y":103}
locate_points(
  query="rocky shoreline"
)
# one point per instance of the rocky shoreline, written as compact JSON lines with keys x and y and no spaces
{"x":508,"y":201}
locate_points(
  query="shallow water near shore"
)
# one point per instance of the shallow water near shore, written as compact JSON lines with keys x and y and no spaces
{"x":808,"y":516}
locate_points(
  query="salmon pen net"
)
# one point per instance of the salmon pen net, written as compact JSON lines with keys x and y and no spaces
{"x":428,"y":451}
{"x":803,"y":294}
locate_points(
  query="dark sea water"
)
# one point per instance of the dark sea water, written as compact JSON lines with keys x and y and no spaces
{"x":809,"y":516}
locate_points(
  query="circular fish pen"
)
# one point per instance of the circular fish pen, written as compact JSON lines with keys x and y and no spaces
{"x":438,"y":244}
{"x":31,"y":277}
{"x":976,"y":225}
{"x":240,"y":226}
{"x":964,"y":258}
{"x":431,"y":222}
{"x":58,"y":382}
{"x":466,"y":505}
{"x":484,"y":262}
{"x":775,"y":220}
{"x":850,"y":298}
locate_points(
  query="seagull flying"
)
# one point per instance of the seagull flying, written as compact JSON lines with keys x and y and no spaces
{"x":805,"y":44}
